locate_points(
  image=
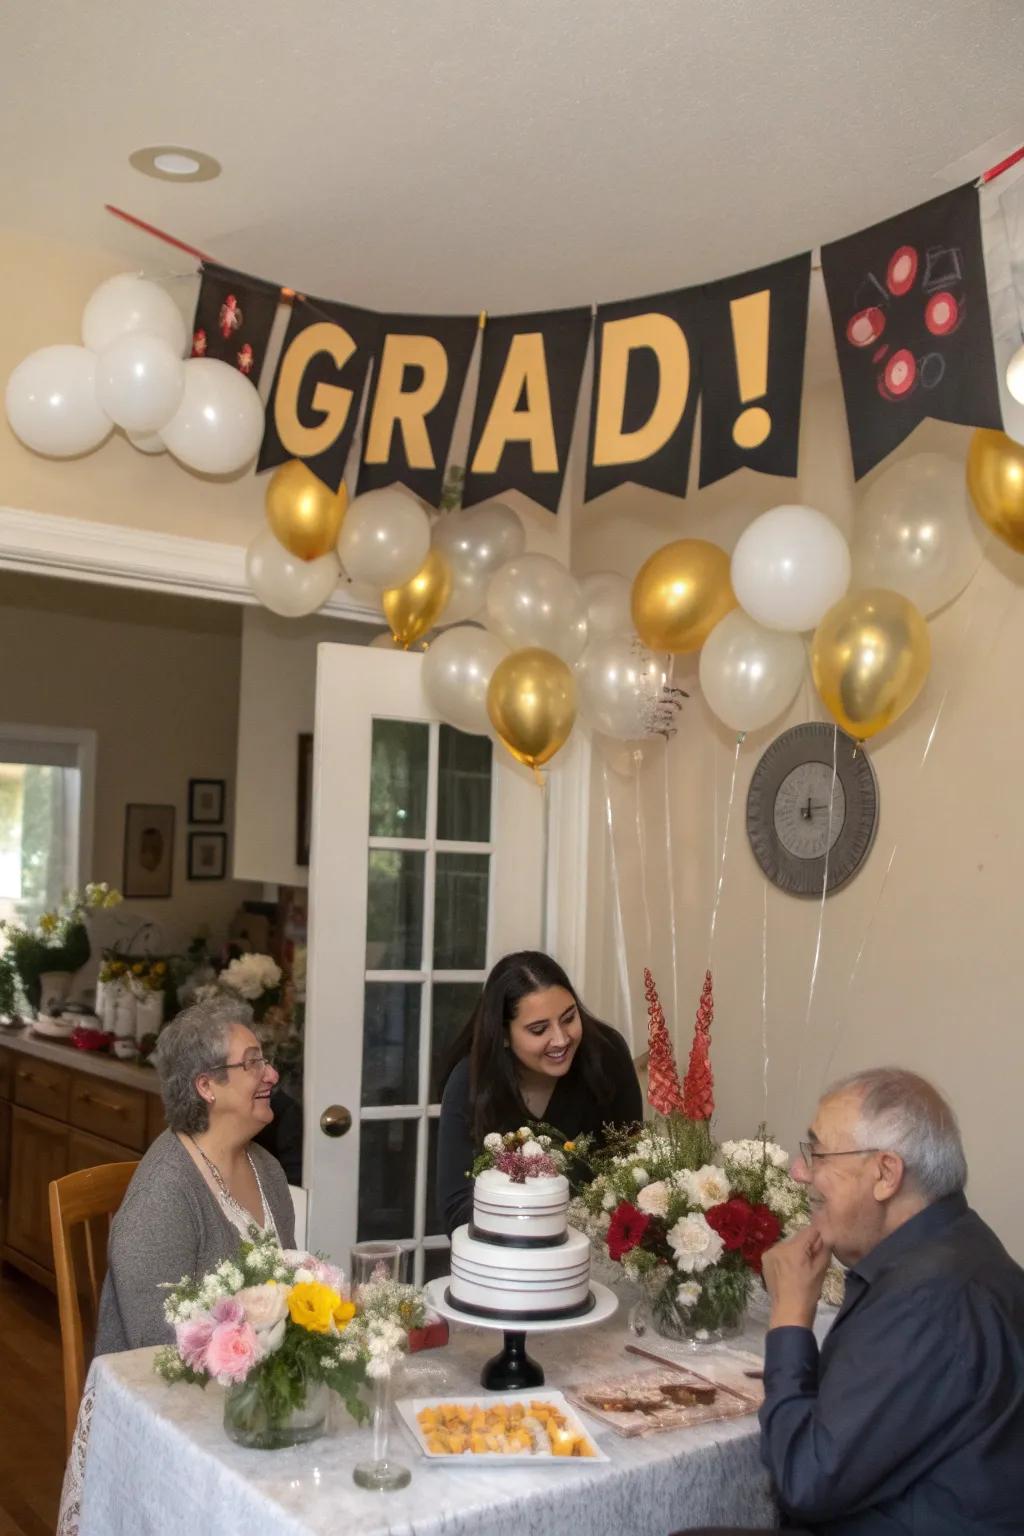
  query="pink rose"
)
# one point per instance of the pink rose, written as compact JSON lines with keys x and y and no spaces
{"x":192,"y":1339}
{"x":232,"y":1352}
{"x":228,"y":1310}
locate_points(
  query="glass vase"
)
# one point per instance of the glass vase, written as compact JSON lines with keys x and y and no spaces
{"x":248,"y":1422}
{"x":382,"y":1472}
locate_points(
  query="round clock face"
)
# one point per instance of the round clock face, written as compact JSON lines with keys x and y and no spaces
{"x":798,"y":811}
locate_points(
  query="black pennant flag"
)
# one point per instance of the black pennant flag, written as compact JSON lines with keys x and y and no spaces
{"x":417,"y":385}
{"x":910,"y":316}
{"x":234,"y":315}
{"x":318,"y":388}
{"x":754,"y":330}
{"x":646,"y":383}
{"x":530,"y":370}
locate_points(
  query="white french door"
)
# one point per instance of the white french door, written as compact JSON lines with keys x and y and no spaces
{"x":427,"y":864}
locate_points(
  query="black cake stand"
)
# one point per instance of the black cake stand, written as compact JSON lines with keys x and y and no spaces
{"x":512,"y":1369}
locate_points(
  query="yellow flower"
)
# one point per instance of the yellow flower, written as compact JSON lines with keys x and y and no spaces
{"x":112,"y":899}
{"x":312,"y":1305}
{"x":568,"y":1146}
{"x":343,"y":1314}
{"x":138,"y":968}
{"x":159,"y":968}
{"x":48,"y":922}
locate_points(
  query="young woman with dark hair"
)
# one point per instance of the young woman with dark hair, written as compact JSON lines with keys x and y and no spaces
{"x":530,"y":1052}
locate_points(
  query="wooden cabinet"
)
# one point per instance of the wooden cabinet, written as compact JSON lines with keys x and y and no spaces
{"x":39,"y":1153}
{"x":55,"y":1119}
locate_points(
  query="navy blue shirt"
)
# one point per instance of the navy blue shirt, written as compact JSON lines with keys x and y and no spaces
{"x":911,"y":1421}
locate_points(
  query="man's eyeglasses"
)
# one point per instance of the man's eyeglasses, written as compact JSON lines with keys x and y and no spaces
{"x":252,"y":1061}
{"x":811,"y":1154}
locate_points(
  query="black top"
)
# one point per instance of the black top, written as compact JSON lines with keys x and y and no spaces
{"x":912,"y":1419}
{"x":572,"y":1110}
{"x":283,"y":1136}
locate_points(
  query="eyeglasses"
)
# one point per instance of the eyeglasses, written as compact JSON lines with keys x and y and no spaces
{"x":252,"y":1061}
{"x":810,"y":1154}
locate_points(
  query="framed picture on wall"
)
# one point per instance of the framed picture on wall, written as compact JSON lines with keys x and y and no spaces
{"x":304,"y":802}
{"x":148,"y":850}
{"x":207,"y":855}
{"x":206,"y":801}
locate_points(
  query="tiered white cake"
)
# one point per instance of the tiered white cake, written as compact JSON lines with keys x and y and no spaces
{"x":518,"y":1259}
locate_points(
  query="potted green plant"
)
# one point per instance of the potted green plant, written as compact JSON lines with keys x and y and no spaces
{"x":57,"y":945}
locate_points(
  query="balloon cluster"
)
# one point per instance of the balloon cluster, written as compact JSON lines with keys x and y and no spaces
{"x":66,"y":400}
{"x":791,"y":572}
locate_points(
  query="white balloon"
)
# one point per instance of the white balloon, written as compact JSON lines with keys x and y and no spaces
{"x":285,"y":584}
{"x":218,"y":426}
{"x":51,"y":402}
{"x":620,"y":687}
{"x":534,"y":601}
{"x":475,"y":544}
{"x":385,"y":538}
{"x":140,"y":380}
{"x":456,"y":672}
{"x":607,"y":596}
{"x":128,"y":303}
{"x":749,"y":674}
{"x":1015,"y":375}
{"x":915,"y":532}
{"x":789,"y":568}
{"x":147,"y":442}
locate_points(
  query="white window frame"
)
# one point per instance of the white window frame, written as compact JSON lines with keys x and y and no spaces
{"x":14,"y":736}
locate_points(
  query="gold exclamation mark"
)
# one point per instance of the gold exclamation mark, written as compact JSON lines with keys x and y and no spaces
{"x":750,"y":319}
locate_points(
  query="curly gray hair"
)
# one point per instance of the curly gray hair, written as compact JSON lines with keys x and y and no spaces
{"x":194,"y":1043}
{"x":903,"y":1113}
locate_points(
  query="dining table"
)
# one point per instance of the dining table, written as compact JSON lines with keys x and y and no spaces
{"x":153,"y":1459}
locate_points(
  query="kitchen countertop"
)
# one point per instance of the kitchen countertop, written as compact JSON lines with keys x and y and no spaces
{"x":96,"y":1063}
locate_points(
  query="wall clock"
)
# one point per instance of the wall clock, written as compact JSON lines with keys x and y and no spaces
{"x":788,"y":809}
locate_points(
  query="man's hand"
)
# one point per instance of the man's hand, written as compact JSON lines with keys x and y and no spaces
{"x":794,"y":1272}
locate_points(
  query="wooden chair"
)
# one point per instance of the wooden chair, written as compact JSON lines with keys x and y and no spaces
{"x":87,"y":1201}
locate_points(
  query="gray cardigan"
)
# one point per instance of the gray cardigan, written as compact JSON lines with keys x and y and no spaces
{"x":169,"y":1225}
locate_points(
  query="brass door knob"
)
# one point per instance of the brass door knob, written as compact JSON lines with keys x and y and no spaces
{"x":335,"y":1120}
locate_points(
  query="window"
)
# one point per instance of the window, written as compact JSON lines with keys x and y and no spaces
{"x":46,"y":783}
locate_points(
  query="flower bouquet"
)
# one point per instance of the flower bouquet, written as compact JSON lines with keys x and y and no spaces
{"x":532,"y":1152}
{"x":58,"y":942}
{"x":257,"y":978}
{"x":278,"y":1330}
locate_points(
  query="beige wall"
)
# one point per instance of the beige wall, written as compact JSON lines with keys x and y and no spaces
{"x":937,"y":986}
{"x":157,"y":679}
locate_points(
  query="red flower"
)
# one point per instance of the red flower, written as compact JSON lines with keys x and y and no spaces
{"x":626,"y":1229}
{"x":763,"y":1233}
{"x":731,"y":1220}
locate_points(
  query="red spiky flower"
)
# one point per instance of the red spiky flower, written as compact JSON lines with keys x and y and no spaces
{"x":699,"y":1083}
{"x":663,"y":1092}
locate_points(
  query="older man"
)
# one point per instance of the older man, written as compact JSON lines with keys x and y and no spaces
{"x":911,"y":1420}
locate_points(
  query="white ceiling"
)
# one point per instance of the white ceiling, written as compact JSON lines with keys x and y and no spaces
{"x":500,"y":154}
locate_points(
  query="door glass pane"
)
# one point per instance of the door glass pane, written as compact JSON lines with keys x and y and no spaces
{"x":463,"y":787}
{"x":398,"y":778}
{"x":433,"y":1226}
{"x":453,"y":1002}
{"x":391,"y":1042}
{"x":394,"y":915}
{"x":387,"y":1178}
{"x":436,"y":1262}
{"x":460,"y":911}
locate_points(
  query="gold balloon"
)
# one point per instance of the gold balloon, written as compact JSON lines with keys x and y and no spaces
{"x":995,"y":478}
{"x":304,"y":514}
{"x":415,"y":607}
{"x":869,"y":657}
{"x":680,"y":594}
{"x":531,"y":700}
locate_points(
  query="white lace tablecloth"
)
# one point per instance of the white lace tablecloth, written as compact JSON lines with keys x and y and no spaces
{"x":157,"y":1463}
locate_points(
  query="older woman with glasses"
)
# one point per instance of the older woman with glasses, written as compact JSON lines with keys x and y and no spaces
{"x":203,"y":1184}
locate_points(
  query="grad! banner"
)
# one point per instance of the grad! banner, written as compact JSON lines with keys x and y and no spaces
{"x":414,"y":397}
{"x":530,"y":371}
{"x":910,"y":314}
{"x":318,"y":387}
{"x":646,"y":380}
{"x":234,"y":316}
{"x":753,"y":336}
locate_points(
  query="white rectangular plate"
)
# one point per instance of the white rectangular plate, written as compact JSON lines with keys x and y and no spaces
{"x":409,"y":1407}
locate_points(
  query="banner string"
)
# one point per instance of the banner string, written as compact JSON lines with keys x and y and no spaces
{"x":671,"y":888}
{"x":638,"y":758}
{"x":764,"y":992}
{"x":725,"y":848}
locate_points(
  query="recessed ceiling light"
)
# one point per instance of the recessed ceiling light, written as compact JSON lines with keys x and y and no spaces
{"x":171,"y":162}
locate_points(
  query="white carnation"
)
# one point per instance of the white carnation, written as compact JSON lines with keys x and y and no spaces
{"x":688,"y":1294}
{"x":695,"y":1245}
{"x":532,"y":1149}
{"x":608,"y":1200}
{"x":493,"y":1141}
{"x":640,"y":1177}
{"x":705,"y":1186}
{"x":251,"y":975}
{"x":524,"y":1133}
{"x":654,"y":1198}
